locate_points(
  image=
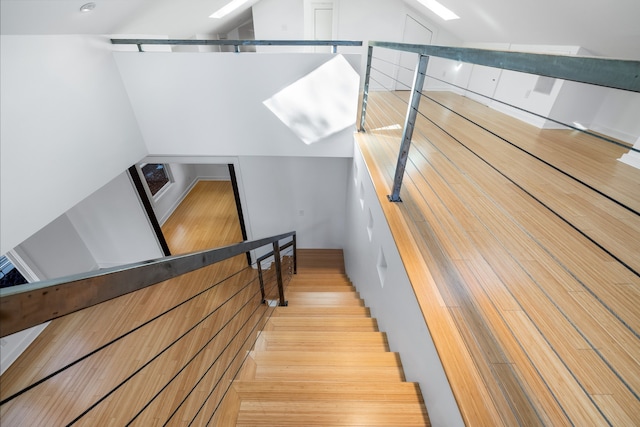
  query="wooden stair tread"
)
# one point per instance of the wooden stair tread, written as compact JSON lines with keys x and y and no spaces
{"x":320,"y":288}
{"x":328,"y":311}
{"x":309,"y":300}
{"x":377,"y":374}
{"x":292,"y":294}
{"x":315,"y":358}
{"x":322,"y":390}
{"x":335,"y":413}
{"x":321,"y":341}
{"x":320,"y":276}
{"x":354,"y":324}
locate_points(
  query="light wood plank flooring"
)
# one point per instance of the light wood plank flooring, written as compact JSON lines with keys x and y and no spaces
{"x":523,"y":247}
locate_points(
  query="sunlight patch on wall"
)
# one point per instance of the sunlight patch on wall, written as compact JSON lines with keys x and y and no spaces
{"x":321,"y":103}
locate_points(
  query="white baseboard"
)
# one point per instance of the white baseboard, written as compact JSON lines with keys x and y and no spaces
{"x":622,"y":136}
{"x":632,"y":159}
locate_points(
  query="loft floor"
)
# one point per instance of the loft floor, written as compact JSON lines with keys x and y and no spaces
{"x":528,"y":245}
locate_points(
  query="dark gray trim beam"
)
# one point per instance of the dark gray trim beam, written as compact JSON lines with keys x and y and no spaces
{"x":614,"y":73}
{"x":238,"y":42}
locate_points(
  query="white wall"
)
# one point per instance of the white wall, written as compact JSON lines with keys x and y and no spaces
{"x":632,"y":158}
{"x":388,"y":293}
{"x":212,"y":105}
{"x":305,"y":194}
{"x":67,"y":128}
{"x":576,"y":103}
{"x":278,"y":20}
{"x":214,"y":172}
{"x":363,"y":20}
{"x":113,"y":225}
{"x":618,"y":115}
{"x":382,"y":20}
{"x":57,"y":250}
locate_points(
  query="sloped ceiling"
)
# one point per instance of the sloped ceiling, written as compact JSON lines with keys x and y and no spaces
{"x":173,"y":18}
{"x":604,"y":27}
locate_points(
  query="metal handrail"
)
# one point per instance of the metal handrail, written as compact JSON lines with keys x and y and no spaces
{"x":614,"y":73}
{"x":31,"y":304}
{"x":237,"y":43}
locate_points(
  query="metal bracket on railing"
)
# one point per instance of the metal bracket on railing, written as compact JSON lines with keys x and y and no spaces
{"x":365,"y":92}
{"x":409,"y":124}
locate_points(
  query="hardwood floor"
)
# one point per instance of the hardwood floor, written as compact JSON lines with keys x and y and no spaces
{"x":530,"y":241}
{"x":206,"y":218}
{"x":167,"y":367}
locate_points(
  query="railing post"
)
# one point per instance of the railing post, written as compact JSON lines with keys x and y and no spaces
{"x":276,"y":256}
{"x":295,"y":256}
{"x":261,"y":280}
{"x":365,"y":92}
{"x":409,"y":124}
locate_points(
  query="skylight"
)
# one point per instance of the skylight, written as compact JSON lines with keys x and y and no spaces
{"x":439,"y":9}
{"x":228,"y":8}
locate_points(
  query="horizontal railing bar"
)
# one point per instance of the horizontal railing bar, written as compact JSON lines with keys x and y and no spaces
{"x":31,"y":304}
{"x":265,"y":256}
{"x":238,"y":42}
{"x":615,"y":73}
{"x":270,"y":254}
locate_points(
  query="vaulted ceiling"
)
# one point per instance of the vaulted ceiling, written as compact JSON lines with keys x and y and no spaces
{"x":604,"y":27}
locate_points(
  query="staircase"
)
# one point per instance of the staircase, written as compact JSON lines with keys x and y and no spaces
{"x":321,"y":361}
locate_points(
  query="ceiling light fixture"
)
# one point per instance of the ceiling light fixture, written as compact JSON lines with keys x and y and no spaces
{"x":228,"y":8}
{"x":87,"y":7}
{"x":439,"y":9}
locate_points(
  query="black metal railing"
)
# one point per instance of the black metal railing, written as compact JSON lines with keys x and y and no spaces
{"x":31,"y":304}
{"x":236,"y":307}
{"x":276,"y":255}
{"x":609,"y":73}
{"x":236,"y":43}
